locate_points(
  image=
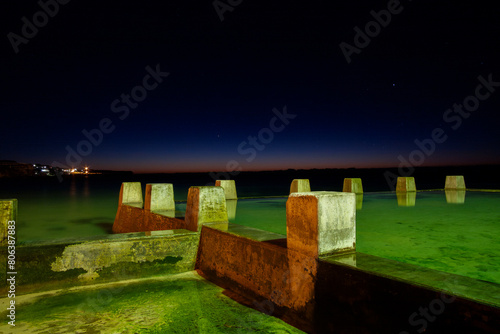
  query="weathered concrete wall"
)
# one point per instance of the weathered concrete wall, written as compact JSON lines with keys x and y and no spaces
{"x":454,"y":182}
{"x":229,"y":187}
{"x":55,"y":265}
{"x":263,"y":269}
{"x":300,"y":185}
{"x":8,"y":212}
{"x":132,"y":219}
{"x":353,"y":185}
{"x":352,"y":300}
{"x":321,"y":222}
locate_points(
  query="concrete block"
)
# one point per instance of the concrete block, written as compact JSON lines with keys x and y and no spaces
{"x":320,"y":222}
{"x":406,"y":198}
{"x":159,"y":197}
{"x":229,"y":188}
{"x":205,"y":205}
{"x":455,"y":196}
{"x":405,"y":184}
{"x":8,"y":212}
{"x":454,"y":182}
{"x":300,"y":186}
{"x":353,"y":185}
{"x":131,"y":194}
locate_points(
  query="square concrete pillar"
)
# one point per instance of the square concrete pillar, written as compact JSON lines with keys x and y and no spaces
{"x":229,"y":188}
{"x":131,"y":194}
{"x":454,"y":182}
{"x":300,"y":186}
{"x":405,"y":184}
{"x":159,"y":197}
{"x":205,"y":205}
{"x":8,"y":212}
{"x":353,"y":185}
{"x":321,"y":222}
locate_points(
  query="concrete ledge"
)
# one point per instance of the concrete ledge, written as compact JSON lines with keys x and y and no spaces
{"x":350,"y":299}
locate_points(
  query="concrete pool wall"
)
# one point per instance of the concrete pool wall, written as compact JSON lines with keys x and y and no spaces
{"x":337,"y":290}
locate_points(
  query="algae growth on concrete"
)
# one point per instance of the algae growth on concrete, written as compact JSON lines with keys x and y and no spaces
{"x":182,"y":303}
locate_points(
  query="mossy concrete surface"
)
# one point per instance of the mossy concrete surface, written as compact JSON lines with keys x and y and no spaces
{"x":8,"y":212}
{"x":182,"y":303}
{"x":117,"y":257}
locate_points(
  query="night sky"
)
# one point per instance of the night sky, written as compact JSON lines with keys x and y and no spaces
{"x":273,"y":85}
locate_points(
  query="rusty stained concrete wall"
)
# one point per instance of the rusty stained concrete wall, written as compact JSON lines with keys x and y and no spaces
{"x":320,"y":296}
{"x":283,"y":278}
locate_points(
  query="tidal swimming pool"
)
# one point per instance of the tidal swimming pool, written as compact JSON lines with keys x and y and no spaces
{"x":459,"y":238}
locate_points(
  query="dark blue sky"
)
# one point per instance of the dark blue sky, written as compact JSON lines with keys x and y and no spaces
{"x":226,"y":78}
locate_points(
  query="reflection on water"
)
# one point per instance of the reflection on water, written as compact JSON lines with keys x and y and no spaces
{"x":406,"y":198}
{"x":231,"y":208}
{"x":455,"y":196}
{"x":359,"y":201}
